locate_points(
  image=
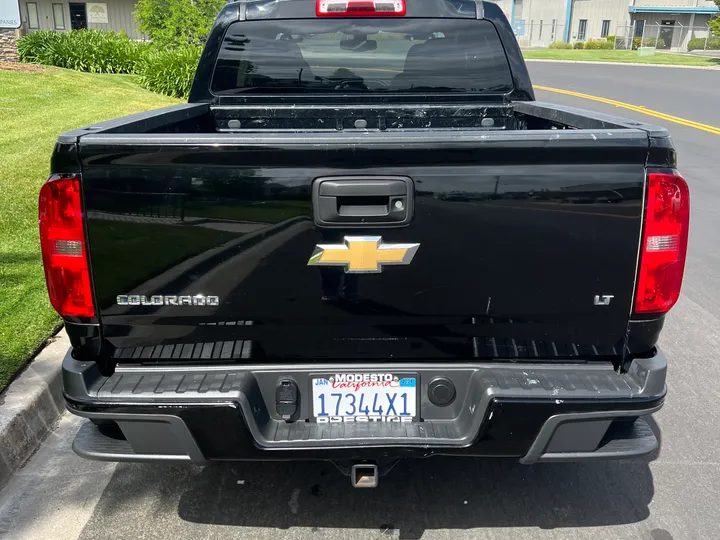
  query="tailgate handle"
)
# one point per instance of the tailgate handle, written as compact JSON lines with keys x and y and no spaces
{"x":363,"y":201}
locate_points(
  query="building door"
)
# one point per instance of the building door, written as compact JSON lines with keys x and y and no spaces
{"x":666,"y":34}
{"x":78,"y":17}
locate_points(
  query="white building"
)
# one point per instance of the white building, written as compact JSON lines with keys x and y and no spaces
{"x":536,"y":22}
{"x":540,"y":22}
{"x":75,"y":15}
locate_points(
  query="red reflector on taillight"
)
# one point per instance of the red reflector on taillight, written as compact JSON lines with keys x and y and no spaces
{"x":360,"y":8}
{"x":664,"y":244}
{"x":62,"y":240}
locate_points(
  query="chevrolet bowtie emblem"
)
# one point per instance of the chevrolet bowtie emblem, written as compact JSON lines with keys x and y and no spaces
{"x":362,"y":254}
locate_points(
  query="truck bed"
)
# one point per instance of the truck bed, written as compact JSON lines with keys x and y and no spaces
{"x":231,"y":116}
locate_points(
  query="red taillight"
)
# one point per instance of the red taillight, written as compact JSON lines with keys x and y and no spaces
{"x":360,"y":8}
{"x":62,"y":240}
{"x":664,"y":244}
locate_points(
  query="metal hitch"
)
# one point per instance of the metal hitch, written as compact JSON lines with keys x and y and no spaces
{"x":364,"y":475}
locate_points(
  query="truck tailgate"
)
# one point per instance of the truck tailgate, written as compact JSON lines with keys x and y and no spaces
{"x":528,"y":246}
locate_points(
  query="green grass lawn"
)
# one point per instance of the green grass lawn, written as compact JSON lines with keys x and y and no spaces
{"x":619,"y":56}
{"x":34,"y":108}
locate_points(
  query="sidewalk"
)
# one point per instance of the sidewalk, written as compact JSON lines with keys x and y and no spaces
{"x":31,"y":406}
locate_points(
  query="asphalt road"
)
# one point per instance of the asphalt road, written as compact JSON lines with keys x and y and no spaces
{"x":675,"y":496}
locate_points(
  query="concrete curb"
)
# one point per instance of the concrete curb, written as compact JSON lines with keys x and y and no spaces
{"x":31,"y":406}
{"x":630,"y":64}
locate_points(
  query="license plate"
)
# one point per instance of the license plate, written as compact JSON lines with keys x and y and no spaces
{"x":364,"y":397}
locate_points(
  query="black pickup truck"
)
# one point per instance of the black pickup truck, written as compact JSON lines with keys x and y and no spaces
{"x":355,"y":246}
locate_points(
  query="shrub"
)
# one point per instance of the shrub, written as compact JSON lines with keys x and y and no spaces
{"x":560,"y":45}
{"x":713,"y":44}
{"x":177,"y":22}
{"x":33,"y":48}
{"x":648,"y":42}
{"x":164,"y":70}
{"x":653,"y":42}
{"x":96,"y":51}
{"x":170,"y":71}
{"x":599,"y":45}
{"x":714,"y":23}
{"x":611,"y":39}
{"x":579,"y":45}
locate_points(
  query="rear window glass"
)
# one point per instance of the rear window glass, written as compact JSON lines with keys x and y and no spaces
{"x":362,"y":55}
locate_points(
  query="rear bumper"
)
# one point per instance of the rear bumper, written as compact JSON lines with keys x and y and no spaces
{"x":530,"y":412}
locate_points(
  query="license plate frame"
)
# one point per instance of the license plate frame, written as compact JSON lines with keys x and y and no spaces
{"x":413,"y":403}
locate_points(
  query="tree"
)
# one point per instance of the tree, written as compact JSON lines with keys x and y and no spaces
{"x":715,"y":23}
{"x":177,"y":22}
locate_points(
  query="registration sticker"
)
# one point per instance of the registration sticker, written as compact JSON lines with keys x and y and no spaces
{"x":364,"y":397}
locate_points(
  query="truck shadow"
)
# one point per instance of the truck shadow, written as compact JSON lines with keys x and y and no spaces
{"x":420,"y":495}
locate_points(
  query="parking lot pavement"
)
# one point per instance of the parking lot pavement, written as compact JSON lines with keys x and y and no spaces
{"x":674,"y":497}
{"x":687,"y":93}
{"x":54,"y":495}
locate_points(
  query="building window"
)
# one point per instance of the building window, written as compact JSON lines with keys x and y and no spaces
{"x":32,"y":16}
{"x":639,"y":28}
{"x":540,"y":34}
{"x":58,"y":17}
{"x":582,"y":30}
{"x":552,"y":30}
{"x":605,"y":30}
